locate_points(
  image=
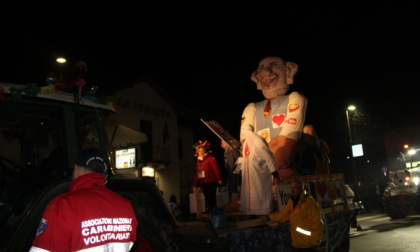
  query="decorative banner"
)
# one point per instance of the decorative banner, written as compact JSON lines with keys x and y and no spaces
{"x":283,"y":195}
{"x":328,"y":190}
{"x":330,"y":193}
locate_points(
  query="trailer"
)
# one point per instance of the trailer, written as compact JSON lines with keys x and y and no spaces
{"x":244,"y":233}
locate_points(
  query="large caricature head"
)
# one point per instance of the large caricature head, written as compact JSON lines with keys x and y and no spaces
{"x":273,"y":76}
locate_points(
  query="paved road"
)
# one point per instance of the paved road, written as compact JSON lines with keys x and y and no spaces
{"x":380,"y":233}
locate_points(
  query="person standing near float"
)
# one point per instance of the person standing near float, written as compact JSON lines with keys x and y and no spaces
{"x":304,"y":216}
{"x":233,"y":176}
{"x":90,"y":216}
{"x":207,"y":174}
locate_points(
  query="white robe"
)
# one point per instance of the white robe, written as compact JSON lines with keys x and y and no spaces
{"x":257,"y":165}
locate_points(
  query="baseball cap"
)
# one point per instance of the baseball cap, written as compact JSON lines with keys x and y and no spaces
{"x":92,"y":159}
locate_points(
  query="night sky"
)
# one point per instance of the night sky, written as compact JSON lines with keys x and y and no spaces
{"x":346,"y":55}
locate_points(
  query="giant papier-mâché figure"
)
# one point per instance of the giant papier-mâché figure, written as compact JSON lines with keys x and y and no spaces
{"x":279,"y":119}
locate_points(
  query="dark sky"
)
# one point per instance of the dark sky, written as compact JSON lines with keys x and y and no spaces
{"x":346,"y":54}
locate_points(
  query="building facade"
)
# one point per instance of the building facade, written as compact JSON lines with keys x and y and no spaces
{"x":170,"y":133}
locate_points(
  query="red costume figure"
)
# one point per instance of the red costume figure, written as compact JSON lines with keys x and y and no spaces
{"x":207,"y":175}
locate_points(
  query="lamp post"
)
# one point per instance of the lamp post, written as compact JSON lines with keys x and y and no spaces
{"x":61,"y":61}
{"x":351,"y":107}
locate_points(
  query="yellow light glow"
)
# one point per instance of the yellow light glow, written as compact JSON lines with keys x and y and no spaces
{"x":412,"y":152}
{"x":148,"y":172}
{"x":61,"y":60}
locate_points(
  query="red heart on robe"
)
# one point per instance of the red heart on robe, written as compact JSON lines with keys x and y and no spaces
{"x":321,"y":188}
{"x":278,"y":119}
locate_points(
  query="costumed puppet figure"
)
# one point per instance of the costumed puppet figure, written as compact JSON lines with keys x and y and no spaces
{"x":207,"y":175}
{"x":279,"y":119}
{"x":257,"y":167}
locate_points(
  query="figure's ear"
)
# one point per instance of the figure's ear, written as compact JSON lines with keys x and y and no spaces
{"x":254,"y":79}
{"x":291,"y":70}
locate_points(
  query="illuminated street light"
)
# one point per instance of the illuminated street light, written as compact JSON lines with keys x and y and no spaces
{"x":351,"y":107}
{"x":413,"y":158}
{"x":61,"y":61}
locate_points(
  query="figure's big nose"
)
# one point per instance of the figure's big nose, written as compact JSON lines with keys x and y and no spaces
{"x":266,"y":69}
{"x":265,"y":75}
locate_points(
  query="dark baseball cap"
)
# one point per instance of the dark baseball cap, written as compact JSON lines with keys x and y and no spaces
{"x":93,"y":159}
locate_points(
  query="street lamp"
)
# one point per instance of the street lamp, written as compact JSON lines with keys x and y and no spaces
{"x":61,"y":61}
{"x":351,"y":107}
{"x":411,"y":152}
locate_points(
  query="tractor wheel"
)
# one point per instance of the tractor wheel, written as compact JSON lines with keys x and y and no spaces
{"x":392,"y":210}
